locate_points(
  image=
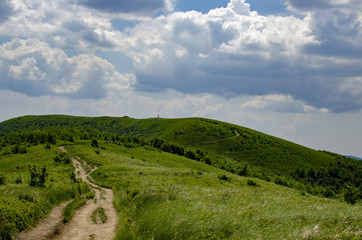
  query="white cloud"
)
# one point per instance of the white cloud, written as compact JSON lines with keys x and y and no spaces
{"x":229,"y":51}
{"x":33,"y":67}
{"x":27,"y":70}
{"x":279,"y":103}
{"x":233,"y":51}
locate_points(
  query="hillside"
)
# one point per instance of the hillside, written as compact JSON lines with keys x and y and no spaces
{"x":159,"y":195}
{"x":251,"y":146}
{"x":236,"y":149}
{"x":187,"y":178}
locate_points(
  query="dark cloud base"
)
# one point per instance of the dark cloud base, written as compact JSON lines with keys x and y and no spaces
{"x":125,"y":6}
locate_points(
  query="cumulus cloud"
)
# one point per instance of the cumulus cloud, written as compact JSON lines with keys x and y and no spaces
{"x":129,"y":6}
{"x":279,"y":103}
{"x":61,"y":23}
{"x":233,"y":51}
{"x":34,"y":68}
{"x":230,"y":51}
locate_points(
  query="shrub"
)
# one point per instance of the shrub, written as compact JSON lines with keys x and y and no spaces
{"x":18,"y":180}
{"x":351,"y":194}
{"x":328,"y":193}
{"x":94,"y":143}
{"x":282,"y":181}
{"x":47,"y":146}
{"x":37,"y":178}
{"x":223,"y":177}
{"x":2,"y":180}
{"x":26,"y":197}
{"x":252,"y":183}
{"x":18,"y":149}
{"x":62,"y":158}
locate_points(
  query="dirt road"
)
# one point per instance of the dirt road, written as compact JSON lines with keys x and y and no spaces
{"x":81,"y":226}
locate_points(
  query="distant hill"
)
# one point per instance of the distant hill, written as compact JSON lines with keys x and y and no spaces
{"x":217,"y":138}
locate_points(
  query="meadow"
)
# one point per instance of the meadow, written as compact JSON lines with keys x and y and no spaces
{"x":165,"y":196}
{"x":22,"y":205}
{"x":178,"y":179}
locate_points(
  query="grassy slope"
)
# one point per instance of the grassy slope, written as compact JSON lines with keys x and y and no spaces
{"x":20,"y":205}
{"x":251,"y":146}
{"x":164,"y":196}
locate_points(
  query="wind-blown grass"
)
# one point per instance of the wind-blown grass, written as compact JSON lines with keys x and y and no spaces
{"x":164,"y":196}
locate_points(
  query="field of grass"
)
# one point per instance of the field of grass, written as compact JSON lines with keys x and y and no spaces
{"x":21,"y":206}
{"x":165,"y":196}
{"x":160,"y":195}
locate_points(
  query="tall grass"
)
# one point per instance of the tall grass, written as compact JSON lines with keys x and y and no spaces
{"x":21,"y":206}
{"x":163,"y":196}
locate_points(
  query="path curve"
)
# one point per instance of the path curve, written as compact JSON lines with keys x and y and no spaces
{"x":237,"y":134}
{"x":81,"y":227}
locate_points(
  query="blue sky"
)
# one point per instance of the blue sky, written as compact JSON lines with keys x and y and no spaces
{"x":289,"y":68}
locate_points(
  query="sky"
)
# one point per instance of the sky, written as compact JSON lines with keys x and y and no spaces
{"x":288,"y":68}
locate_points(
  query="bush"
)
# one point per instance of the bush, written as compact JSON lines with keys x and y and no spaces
{"x":252,"y":183}
{"x":282,"y":181}
{"x":37,"y":178}
{"x":26,"y":197}
{"x":94,"y":143}
{"x":18,"y":149}
{"x":2,"y":180}
{"x":18,"y":180}
{"x":62,"y":158}
{"x":351,"y":194}
{"x":47,"y":146}
{"x":223,"y":177}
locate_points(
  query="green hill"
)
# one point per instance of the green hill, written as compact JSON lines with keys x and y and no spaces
{"x":187,"y":178}
{"x":253,"y":147}
{"x":227,"y":146}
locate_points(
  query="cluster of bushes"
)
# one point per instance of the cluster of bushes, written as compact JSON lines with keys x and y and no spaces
{"x":18,"y":214}
{"x":62,"y":158}
{"x":341,"y":178}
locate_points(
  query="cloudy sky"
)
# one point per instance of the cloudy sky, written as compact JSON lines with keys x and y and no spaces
{"x":289,"y":68}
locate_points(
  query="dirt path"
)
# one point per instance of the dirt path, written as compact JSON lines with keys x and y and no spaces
{"x":237,"y":134}
{"x":81,"y":226}
{"x":47,"y":227}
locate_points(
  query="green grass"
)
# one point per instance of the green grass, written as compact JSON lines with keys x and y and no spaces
{"x":22,"y":206}
{"x":99,"y":216}
{"x":164,"y":196}
{"x":69,"y":210}
{"x":159,"y":195}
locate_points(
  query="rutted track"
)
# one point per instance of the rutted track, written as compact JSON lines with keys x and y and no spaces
{"x":80,"y":227}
